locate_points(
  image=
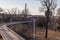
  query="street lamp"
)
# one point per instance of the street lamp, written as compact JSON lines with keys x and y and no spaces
{"x":34,"y":29}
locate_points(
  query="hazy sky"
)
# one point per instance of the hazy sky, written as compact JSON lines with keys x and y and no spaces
{"x":33,"y":5}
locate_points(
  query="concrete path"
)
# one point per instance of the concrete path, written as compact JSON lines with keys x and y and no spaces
{"x":8,"y":34}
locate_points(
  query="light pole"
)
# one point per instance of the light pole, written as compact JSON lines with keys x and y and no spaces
{"x":34,"y":29}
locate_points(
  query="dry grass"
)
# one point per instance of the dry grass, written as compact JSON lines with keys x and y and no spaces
{"x":52,"y":35}
{"x":40,"y":33}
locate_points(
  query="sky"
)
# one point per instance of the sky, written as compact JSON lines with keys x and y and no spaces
{"x":32,"y":5}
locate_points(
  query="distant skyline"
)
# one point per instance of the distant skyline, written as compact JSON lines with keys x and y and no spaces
{"x":32,"y":5}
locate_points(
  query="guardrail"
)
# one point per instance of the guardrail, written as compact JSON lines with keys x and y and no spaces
{"x":16,"y":34}
{"x":18,"y":22}
{"x":4,"y":38}
{"x":4,"y":35}
{"x":6,"y":24}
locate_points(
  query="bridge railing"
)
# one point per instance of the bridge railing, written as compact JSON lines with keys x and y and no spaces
{"x":3,"y":35}
{"x":6,"y":24}
{"x":15,"y":34}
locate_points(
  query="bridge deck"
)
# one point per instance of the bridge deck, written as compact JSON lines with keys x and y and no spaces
{"x":8,"y":34}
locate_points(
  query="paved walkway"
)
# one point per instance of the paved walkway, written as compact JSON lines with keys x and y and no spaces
{"x":8,"y":34}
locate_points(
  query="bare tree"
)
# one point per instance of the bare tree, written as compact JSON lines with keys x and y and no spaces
{"x":2,"y":12}
{"x":10,"y":16}
{"x":58,"y":17}
{"x":58,"y":12}
{"x":25,"y":11}
{"x":48,"y":5}
{"x":18,"y":11}
{"x":13,"y":11}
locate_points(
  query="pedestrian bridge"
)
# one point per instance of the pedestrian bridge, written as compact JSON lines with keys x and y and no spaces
{"x":8,"y":34}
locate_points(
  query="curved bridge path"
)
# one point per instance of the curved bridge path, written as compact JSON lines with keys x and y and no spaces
{"x":8,"y":34}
